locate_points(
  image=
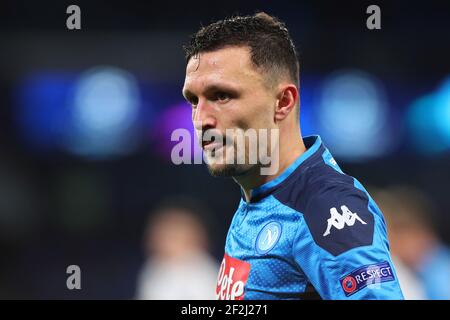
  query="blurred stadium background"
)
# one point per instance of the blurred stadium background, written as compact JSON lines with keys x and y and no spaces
{"x":86,"y":118}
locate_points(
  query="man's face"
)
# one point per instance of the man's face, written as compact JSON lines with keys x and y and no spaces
{"x":228,"y":93}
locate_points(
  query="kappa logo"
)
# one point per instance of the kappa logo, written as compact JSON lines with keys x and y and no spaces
{"x":339,"y":221}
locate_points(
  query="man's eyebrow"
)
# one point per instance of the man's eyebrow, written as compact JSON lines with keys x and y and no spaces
{"x":211,"y":88}
{"x":219,"y":87}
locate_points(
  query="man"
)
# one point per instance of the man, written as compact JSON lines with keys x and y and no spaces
{"x":415,"y":242}
{"x":307,"y":228}
{"x":176,"y":245}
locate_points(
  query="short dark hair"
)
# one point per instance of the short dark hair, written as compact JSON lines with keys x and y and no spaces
{"x":271,"y":46}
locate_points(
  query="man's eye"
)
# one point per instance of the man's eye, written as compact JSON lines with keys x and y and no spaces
{"x":222,"y":96}
{"x":193,"y":102}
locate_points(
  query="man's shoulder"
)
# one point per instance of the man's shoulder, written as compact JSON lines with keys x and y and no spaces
{"x":335,"y":211}
{"x":318,"y":183}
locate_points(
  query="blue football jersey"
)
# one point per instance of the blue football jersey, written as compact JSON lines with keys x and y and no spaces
{"x":311,"y":232}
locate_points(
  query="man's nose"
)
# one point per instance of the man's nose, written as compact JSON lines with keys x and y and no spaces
{"x":203,"y":116}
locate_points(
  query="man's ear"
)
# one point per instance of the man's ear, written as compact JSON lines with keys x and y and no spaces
{"x":287,"y":100}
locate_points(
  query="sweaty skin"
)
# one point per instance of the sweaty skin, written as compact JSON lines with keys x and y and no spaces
{"x":227,"y":91}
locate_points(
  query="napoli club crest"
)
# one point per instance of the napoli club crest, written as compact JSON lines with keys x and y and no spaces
{"x":268,"y":237}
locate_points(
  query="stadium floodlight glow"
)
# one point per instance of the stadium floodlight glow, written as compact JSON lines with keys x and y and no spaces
{"x":105,"y":108}
{"x":428,"y":121}
{"x":175,"y":117}
{"x":40,"y":113}
{"x":353,"y":115}
{"x":442,"y":112}
{"x":308,"y":115}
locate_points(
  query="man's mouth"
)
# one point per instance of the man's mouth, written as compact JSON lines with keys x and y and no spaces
{"x":213,"y":144}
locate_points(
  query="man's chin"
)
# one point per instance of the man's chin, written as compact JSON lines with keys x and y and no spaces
{"x":228,"y":170}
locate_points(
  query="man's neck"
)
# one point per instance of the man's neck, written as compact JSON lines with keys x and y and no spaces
{"x":287,"y":155}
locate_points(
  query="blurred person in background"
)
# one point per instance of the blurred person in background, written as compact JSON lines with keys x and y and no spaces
{"x":423,"y":261}
{"x":178,"y":265}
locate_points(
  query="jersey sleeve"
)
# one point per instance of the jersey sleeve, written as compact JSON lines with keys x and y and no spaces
{"x":341,"y":245}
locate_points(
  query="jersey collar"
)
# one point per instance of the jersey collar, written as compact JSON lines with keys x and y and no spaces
{"x":312,"y":144}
